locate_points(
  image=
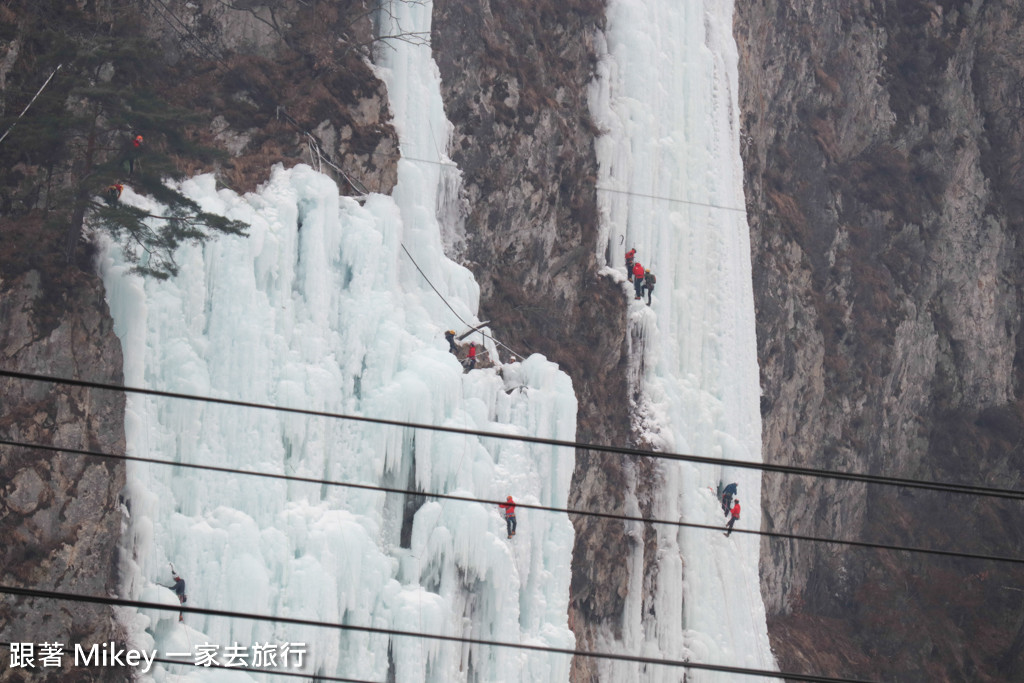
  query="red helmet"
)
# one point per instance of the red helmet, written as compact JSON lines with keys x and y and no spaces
{"x":509,"y":499}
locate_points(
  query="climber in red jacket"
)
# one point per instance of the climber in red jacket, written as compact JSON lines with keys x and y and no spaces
{"x":508,"y":509}
{"x":630,"y":255}
{"x":735,"y":516}
{"x":471,"y":358}
{"x":131,"y":155}
{"x":638,"y":280}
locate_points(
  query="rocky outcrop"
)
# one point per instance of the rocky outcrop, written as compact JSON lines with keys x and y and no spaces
{"x":284,"y":82}
{"x":60,"y":516}
{"x":252,"y":65}
{"x":882,"y":150}
{"x":514,"y":79}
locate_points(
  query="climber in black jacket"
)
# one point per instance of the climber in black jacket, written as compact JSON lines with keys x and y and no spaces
{"x":649,"y":281}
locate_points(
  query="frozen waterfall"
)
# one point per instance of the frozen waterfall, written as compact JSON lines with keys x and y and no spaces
{"x":329,"y":304}
{"x":671,"y":186}
{"x":321,"y":308}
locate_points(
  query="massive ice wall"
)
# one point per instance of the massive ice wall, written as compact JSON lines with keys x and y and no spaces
{"x":322,"y":307}
{"x":671,"y":186}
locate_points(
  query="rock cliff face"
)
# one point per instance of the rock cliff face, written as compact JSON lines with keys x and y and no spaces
{"x":514,"y":78}
{"x":883,"y":148}
{"x":248,"y":66}
{"x":60,"y":517}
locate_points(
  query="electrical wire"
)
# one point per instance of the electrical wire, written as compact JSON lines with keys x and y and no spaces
{"x":269,"y":672}
{"x":525,"y":506}
{"x":396,"y":633}
{"x":618,"y":450}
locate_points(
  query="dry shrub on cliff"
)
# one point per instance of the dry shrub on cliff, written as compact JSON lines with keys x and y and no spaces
{"x":788,"y":210}
{"x":828,"y":82}
{"x":825,"y":135}
{"x":873,"y":284}
{"x":880,"y":177}
{"x":905,"y":255}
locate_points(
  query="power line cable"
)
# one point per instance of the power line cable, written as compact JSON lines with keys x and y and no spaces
{"x":122,"y":602}
{"x":671,"y":200}
{"x":527,"y":506}
{"x":618,"y":450}
{"x":270,"y":672}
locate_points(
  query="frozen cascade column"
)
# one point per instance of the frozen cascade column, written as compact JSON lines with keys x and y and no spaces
{"x":320,"y":308}
{"x":530,"y":603}
{"x":672,"y":178}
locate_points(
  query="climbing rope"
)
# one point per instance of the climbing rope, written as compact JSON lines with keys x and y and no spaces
{"x":484,"y":334}
{"x":317,"y":153}
{"x":30,"y":102}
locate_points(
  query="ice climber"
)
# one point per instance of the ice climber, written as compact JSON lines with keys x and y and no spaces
{"x":735,"y":516}
{"x":630,"y":255}
{"x":450,"y":336}
{"x":727,"y":493}
{"x":131,"y":154}
{"x":179,"y":590}
{"x":471,"y":358}
{"x":638,"y":281}
{"x":113,"y":193}
{"x":509,"y":511}
{"x":649,"y":281}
